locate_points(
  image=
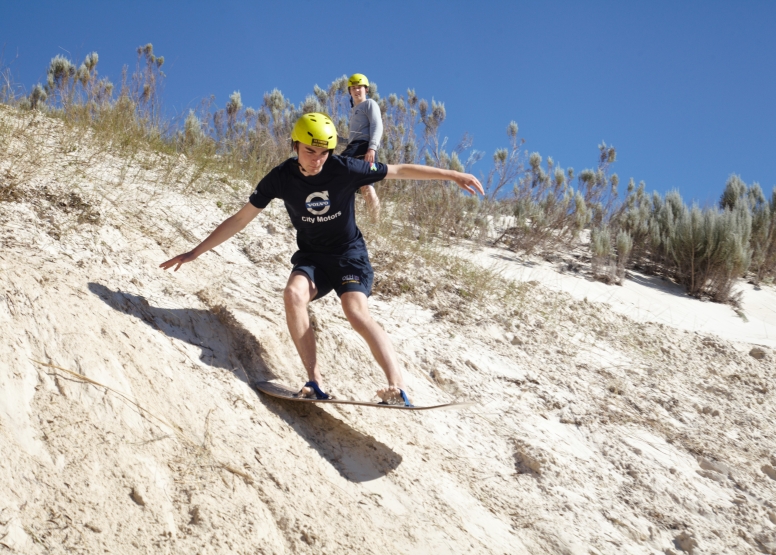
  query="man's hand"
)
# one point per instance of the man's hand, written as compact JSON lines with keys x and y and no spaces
{"x":178,"y":261}
{"x":369,"y":156}
{"x":468,"y":182}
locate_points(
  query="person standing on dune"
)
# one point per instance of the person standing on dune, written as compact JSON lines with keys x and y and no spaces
{"x":365,"y":131}
{"x":318,"y":189}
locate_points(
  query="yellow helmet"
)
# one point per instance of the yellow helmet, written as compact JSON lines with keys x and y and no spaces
{"x":315,"y":129}
{"x":358,"y":79}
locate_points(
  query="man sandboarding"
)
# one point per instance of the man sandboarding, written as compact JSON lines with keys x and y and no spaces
{"x":318,"y":189}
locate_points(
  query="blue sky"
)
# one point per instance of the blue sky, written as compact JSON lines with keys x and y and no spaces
{"x":686,"y":91}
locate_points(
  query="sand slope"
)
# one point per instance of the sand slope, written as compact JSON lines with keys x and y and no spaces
{"x":596,"y":430}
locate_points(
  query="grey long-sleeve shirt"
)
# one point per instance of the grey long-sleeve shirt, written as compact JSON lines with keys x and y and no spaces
{"x":366,"y":124}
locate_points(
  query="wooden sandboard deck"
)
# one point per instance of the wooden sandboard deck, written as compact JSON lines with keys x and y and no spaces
{"x":284,"y":392}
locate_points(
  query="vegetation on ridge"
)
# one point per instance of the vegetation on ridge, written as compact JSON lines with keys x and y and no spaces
{"x":531,"y":206}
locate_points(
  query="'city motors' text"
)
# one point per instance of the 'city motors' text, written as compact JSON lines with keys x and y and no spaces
{"x":320,"y":218}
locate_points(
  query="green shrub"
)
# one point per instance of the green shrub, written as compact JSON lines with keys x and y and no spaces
{"x":601,"y":250}
{"x":750,"y":198}
{"x":624,"y":247}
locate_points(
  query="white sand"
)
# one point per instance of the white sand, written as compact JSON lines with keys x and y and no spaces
{"x":633,"y":422}
{"x":645,"y":298}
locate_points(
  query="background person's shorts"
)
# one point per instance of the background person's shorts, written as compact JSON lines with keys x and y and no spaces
{"x":341,"y":274}
{"x":357,"y":149}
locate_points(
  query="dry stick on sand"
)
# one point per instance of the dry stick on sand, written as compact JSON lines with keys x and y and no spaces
{"x":176,"y":428}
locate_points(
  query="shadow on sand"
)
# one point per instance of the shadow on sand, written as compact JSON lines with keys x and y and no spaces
{"x":356,"y":456}
{"x":658,"y":283}
{"x":221,"y":346}
{"x":226,"y":344}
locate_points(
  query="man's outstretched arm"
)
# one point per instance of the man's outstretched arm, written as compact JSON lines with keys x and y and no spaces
{"x":228,"y":228}
{"x":465,"y":181}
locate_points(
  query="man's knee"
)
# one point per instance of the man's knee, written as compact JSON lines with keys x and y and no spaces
{"x":295,"y":294}
{"x":356,"y":309}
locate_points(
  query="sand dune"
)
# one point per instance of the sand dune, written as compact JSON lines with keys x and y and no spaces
{"x":609,"y":419}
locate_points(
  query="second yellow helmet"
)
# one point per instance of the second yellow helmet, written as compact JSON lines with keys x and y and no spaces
{"x":315,"y":129}
{"x":358,"y":79}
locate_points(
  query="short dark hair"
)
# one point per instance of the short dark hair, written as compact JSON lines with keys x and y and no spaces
{"x":294,"y":143}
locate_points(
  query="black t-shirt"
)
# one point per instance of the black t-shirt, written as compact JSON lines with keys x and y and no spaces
{"x":321,"y":207}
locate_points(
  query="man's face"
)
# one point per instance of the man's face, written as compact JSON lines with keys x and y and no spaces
{"x":358,"y":92}
{"x":311,"y":158}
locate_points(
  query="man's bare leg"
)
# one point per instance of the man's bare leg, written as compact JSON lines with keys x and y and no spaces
{"x":372,"y":202}
{"x":297,"y":295}
{"x":356,"y":309}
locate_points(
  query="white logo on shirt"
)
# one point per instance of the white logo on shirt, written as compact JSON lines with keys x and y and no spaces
{"x":318,"y":203}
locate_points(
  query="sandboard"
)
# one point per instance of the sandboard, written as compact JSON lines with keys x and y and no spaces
{"x":284,"y":392}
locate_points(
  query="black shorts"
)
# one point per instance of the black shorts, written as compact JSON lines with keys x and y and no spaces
{"x":341,"y":274}
{"x":357,"y":149}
